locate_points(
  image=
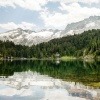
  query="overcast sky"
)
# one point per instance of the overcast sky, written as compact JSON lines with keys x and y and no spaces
{"x":41,"y":14}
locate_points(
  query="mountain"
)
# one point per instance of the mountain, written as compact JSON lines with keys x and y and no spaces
{"x":87,"y":43}
{"x":29,"y":38}
{"x":79,"y":45}
{"x":90,"y":23}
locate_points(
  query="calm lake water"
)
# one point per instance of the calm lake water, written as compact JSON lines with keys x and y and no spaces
{"x":49,"y":80}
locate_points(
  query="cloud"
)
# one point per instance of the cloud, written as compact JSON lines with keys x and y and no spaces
{"x":38,"y":5}
{"x":89,"y":1}
{"x":69,"y":11}
{"x":77,"y":1}
{"x":72,"y":13}
{"x":53,"y":20}
{"x":27,"y":4}
{"x":12,"y":25}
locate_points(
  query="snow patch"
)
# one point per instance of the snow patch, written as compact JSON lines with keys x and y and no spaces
{"x":92,"y":24}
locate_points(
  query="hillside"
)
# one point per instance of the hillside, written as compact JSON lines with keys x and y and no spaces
{"x":87,"y":43}
{"x":77,"y":45}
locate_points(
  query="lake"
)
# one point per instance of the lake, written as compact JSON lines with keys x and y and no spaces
{"x":49,"y":80}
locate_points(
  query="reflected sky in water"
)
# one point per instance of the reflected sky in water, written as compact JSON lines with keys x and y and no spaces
{"x":35,"y":85}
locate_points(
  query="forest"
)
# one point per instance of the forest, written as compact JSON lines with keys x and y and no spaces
{"x":87,"y":43}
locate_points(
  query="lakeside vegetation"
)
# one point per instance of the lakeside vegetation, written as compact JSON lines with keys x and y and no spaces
{"x":85,"y":45}
{"x":66,"y":58}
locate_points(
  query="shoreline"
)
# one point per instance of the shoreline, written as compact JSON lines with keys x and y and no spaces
{"x":64,"y":58}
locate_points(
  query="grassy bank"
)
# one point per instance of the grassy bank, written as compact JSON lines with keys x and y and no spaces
{"x":66,"y":58}
{"x":88,"y":58}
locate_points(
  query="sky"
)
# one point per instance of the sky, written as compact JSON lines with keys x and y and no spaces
{"x":45,"y":14}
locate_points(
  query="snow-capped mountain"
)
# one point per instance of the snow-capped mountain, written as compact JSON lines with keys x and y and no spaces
{"x":28,"y":37}
{"x":92,"y":22}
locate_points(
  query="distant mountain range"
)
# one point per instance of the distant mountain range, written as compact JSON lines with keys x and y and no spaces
{"x":29,"y":38}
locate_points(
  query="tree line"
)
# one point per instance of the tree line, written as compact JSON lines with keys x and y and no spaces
{"x":73,"y":45}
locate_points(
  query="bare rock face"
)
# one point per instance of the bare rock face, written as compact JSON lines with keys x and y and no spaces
{"x":28,"y":37}
{"x":92,"y":22}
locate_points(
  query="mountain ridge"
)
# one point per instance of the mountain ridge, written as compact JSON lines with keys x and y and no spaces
{"x":29,"y":37}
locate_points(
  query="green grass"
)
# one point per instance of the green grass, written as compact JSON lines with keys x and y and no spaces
{"x":66,"y":58}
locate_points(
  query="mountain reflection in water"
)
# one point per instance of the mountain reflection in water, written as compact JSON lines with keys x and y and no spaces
{"x":46,"y":80}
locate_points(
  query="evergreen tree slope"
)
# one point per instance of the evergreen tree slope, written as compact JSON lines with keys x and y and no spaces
{"x":87,"y":43}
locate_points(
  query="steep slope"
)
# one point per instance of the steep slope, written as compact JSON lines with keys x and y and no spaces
{"x":92,"y":22}
{"x":28,"y":37}
{"x":87,"y":43}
